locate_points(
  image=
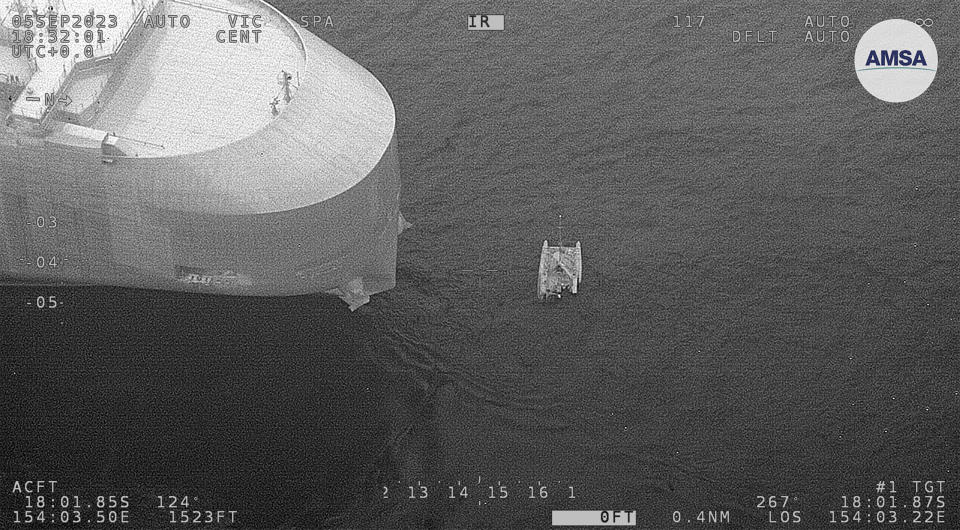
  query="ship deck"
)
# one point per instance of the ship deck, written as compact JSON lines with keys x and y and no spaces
{"x":11,"y":66}
{"x":51,"y":70}
{"x":185,"y":92}
{"x":195,"y":122}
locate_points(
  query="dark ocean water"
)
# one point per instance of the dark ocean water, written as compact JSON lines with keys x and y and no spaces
{"x":771,"y":301}
{"x":771,"y":254}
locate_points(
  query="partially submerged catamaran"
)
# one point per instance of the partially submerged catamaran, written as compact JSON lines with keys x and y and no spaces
{"x":561,"y":268}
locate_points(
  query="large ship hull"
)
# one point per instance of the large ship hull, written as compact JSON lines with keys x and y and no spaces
{"x":252,"y":217}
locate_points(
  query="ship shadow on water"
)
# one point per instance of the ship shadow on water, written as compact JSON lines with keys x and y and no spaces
{"x":268,"y":406}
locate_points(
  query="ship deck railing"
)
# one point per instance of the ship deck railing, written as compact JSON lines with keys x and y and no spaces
{"x":201,"y":5}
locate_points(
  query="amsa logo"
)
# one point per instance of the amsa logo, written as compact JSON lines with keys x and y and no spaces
{"x":896,"y":60}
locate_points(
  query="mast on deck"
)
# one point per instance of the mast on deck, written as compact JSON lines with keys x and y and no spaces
{"x":560,"y":231}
